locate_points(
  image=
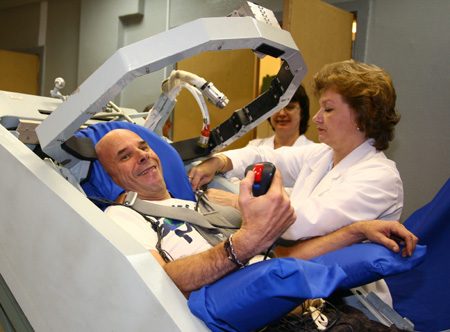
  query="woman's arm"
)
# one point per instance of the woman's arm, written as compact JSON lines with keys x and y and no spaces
{"x":386,"y":233}
{"x":204,"y":173}
{"x":234,"y":162}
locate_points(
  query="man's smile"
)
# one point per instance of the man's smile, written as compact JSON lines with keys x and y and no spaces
{"x":151,"y":168}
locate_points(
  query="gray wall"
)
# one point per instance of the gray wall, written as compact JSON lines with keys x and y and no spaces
{"x":62,"y":43}
{"x":19,"y":26}
{"x":55,"y":39}
{"x":126,"y":22}
{"x":409,"y":38}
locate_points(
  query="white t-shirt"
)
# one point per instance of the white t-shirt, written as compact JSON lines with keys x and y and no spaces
{"x":178,"y":239}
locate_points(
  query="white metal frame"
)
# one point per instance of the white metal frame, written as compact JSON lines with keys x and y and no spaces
{"x":155,"y":53}
{"x":68,"y":266}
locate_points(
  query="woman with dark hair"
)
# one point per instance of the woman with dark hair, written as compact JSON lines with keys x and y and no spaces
{"x":345,"y":179}
{"x":290,"y":123}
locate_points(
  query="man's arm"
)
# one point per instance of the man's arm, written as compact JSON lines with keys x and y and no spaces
{"x":193,"y":272}
{"x":264,"y":219}
{"x":385,"y":233}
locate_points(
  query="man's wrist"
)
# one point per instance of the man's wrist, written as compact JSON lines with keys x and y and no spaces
{"x":357,"y":231}
{"x":243,"y":246}
{"x":231,"y":253}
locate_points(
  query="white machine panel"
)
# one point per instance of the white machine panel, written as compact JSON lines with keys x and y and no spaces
{"x":68,"y":265}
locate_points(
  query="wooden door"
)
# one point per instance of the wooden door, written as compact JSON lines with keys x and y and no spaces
{"x":19,"y":72}
{"x":323,"y":34}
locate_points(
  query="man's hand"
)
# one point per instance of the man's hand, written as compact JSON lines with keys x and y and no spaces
{"x":222,"y":197}
{"x":389,"y":234}
{"x":264,"y":218}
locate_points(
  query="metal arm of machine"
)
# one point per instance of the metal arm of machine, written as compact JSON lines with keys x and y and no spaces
{"x":171,"y":87}
{"x":157,"y":52}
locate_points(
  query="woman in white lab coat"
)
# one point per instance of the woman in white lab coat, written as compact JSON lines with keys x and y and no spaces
{"x":345,"y":179}
{"x":289,"y":124}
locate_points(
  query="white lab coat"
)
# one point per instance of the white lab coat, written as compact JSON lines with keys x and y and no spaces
{"x":270,"y":141}
{"x":364,"y":185}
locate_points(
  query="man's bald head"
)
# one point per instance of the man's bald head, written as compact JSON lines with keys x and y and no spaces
{"x":132,"y":164}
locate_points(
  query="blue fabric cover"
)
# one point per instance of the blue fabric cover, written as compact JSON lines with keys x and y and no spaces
{"x":99,"y":184}
{"x":423,"y":295}
{"x":367,"y":262}
{"x":262,"y":293}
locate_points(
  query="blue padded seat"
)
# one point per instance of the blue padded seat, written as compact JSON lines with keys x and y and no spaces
{"x":262,"y":293}
{"x":368,"y":262}
{"x":268,"y":290}
{"x":423,"y":294}
{"x":99,"y":184}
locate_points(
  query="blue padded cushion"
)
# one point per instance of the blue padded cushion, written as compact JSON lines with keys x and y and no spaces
{"x":262,"y":293}
{"x":367,"y":262}
{"x":99,"y":184}
{"x":423,"y":294}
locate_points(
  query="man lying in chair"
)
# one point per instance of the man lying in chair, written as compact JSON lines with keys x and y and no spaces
{"x":189,"y":260}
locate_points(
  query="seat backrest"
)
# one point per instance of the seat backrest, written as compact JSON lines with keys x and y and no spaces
{"x":99,"y":184}
{"x":422,"y":294}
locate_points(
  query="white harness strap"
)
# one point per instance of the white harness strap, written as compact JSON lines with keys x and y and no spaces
{"x":215,"y":223}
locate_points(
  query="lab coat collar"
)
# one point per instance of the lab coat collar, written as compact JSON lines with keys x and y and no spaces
{"x":321,"y":164}
{"x":365,"y":151}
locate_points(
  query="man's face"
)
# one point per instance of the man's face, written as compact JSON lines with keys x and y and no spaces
{"x":131,"y":163}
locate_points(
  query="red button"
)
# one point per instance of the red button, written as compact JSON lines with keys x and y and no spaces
{"x":257,"y":169}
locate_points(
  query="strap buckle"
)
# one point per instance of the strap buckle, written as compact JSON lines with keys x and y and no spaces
{"x":130,"y":199}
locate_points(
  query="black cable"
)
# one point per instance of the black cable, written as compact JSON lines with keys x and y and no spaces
{"x":199,"y":195}
{"x":164,"y":254}
{"x":297,"y":323}
{"x":223,"y":226}
{"x":158,"y":229}
{"x":268,"y":251}
{"x":336,"y":310}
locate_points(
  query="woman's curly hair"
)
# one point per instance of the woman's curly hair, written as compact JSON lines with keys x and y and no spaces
{"x":369,"y":91}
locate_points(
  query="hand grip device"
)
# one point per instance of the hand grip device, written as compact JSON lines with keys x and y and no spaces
{"x":264,"y":173}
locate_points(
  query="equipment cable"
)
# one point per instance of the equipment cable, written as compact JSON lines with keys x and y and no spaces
{"x":158,"y":229}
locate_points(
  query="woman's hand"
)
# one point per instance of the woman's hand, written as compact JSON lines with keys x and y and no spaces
{"x":204,"y":173}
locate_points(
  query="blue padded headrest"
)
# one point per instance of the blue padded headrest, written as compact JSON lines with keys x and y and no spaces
{"x":99,"y":184}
